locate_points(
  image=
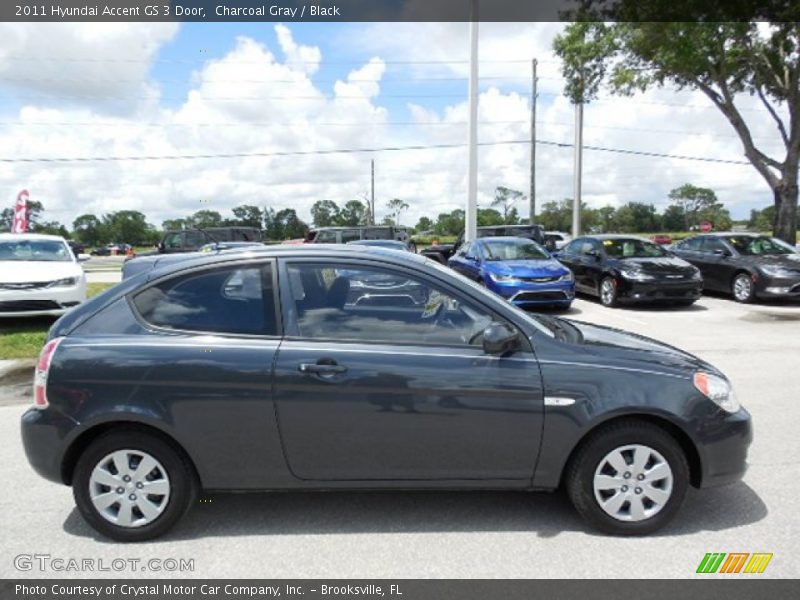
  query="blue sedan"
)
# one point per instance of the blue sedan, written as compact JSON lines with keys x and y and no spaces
{"x":518,"y":269}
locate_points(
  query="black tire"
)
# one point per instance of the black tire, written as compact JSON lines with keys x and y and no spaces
{"x":747,"y":292}
{"x":184,"y":486}
{"x":606,"y":300}
{"x":580,"y":473}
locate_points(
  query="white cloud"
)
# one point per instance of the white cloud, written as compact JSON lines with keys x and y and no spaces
{"x":249,"y":99}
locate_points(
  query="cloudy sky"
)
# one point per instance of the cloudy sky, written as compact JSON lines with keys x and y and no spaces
{"x":262,"y":89}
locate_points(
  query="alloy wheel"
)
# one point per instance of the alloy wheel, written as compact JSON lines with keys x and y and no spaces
{"x":742,"y":288}
{"x":633,"y":483}
{"x":129,"y":488}
{"x":608,"y":291}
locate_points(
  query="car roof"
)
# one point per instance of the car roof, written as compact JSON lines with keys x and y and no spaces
{"x":614,"y":236}
{"x":342,"y":251}
{"x":30,"y":236}
{"x":503,"y":238}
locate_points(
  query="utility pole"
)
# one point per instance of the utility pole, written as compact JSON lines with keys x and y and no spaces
{"x":532,"y":195}
{"x":372,"y":195}
{"x":576,"y":201}
{"x":471,"y":214}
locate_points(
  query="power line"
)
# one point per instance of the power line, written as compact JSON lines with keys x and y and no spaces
{"x":358,"y":151}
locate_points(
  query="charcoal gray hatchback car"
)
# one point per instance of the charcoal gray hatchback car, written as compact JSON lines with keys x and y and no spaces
{"x":342,"y":367}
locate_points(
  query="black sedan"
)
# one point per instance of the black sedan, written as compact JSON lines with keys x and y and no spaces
{"x":264,"y":369}
{"x":620,"y":268}
{"x":749,"y":266}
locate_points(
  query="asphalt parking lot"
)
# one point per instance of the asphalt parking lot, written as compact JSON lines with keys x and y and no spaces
{"x":488,"y":534}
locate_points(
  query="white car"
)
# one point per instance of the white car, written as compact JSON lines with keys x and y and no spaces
{"x":556,"y":240}
{"x":39,"y":275}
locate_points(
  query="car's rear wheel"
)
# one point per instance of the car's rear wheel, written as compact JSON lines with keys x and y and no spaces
{"x":743,"y":288}
{"x":608,"y":292}
{"x":629,"y":478}
{"x":131,"y":485}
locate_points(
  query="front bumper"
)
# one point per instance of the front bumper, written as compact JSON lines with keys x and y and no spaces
{"x":530,"y":294}
{"x":777,"y":287}
{"x":42,"y":301}
{"x":655,"y":291}
{"x":723,"y":448}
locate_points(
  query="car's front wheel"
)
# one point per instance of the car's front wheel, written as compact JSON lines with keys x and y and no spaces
{"x":608,"y":292}
{"x":131,"y":486}
{"x":743,"y":288}
{"x":629,"y":478}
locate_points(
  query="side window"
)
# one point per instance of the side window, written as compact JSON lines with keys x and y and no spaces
{"x":348,"y":235}
{"x":376,"y":305}
{"x":326,"y":237}
{"x":572,"y":247}
{"x":194,"y":239}
{"x":587,"y":246}
{"x":174,"y":240}
{"x":711,"y":245}
{"x":227,"y":300}
{"x":691,"y":244}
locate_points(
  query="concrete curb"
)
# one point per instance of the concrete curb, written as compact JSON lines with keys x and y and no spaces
{"x":17,"y":370}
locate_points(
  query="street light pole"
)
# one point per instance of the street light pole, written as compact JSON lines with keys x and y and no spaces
{"x":532,"y":195}
{"x":576,"y":200}
{"x":471,"y":214}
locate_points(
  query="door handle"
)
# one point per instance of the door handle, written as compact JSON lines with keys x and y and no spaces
{"x":321,"y":369}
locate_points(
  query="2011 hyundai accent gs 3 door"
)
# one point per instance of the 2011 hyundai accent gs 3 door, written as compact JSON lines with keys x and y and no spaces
{"x":291,"y":368}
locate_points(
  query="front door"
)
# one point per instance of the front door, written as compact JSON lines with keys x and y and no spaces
{"x":382,"y":376}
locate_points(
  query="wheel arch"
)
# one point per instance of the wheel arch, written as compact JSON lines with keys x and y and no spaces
{"x":685,"y":442}
{"x":80,"y":443}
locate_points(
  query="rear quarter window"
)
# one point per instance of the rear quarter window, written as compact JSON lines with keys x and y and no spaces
{"x":236,"y":300}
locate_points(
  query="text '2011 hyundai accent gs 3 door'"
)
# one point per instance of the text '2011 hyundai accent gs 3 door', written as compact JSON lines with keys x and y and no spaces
{"x":338,"y":367}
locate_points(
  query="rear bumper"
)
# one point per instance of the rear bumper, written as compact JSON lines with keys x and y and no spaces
{"x":44,"y":434}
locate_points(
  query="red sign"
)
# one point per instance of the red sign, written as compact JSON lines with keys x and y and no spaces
{"x":705,"y":226}
{"x":20,"y":224}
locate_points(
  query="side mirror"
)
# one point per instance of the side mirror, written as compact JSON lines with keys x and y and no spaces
{"x":472,"y":258}
{"x":722,"y":252}
{"x":83,"y":258}
{"x":500,"y":340}
{"x":594,"y":254}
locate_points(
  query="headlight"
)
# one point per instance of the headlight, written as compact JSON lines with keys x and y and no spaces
{"x":500,"y":278}
{"x":718,"y":390}
{"x":776,"y":271}
{"x":568,"y":276}
{"x":66,"y":282}
{"x":696,"y":275}
{"x":636,"y":275}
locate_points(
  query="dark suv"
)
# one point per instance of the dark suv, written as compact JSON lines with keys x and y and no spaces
{"x":345,"y":235}
{"x":349,"y":367}
{"x":442,"y":252}
{"x":191,"y":240}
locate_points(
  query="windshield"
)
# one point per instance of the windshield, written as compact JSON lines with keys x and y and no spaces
{"x":513,"y":249}
{"x":757,"y":246}
{"x":632,"y":248}
{"x":34,"y":250}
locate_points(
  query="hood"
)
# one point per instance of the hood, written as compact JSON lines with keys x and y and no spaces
{"x":788,"y":261}
{"x":23,"y":271}
{"x":544,"y":267}
{"x":657,"y":265}
{"x":641,"y":351}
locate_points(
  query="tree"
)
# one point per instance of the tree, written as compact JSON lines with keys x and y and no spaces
{"x":287,"y":225}
{"x":35,"y":209}
{"x":205,"y":218}
{"x":557,"y":215}
{"x":174,"y":224}
{"x":637,"y":217}
{"x":129,"y":226}
{"x":489,"y":216}
{"x":396,"y":206}
{"x":451,"y":223}
{"x":325,"y":213}
{"x":719,"y":53}
{"x":424,"y":224}
{"x":89,"y":230}
{"x":353,"y":214}
{"x":506,"y":198}
{"x":692,"y":201}
{"x":248,"y":215}
{"x":674,"y":218}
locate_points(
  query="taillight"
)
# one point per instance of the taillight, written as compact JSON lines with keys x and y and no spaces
{"x":42,"y":368}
